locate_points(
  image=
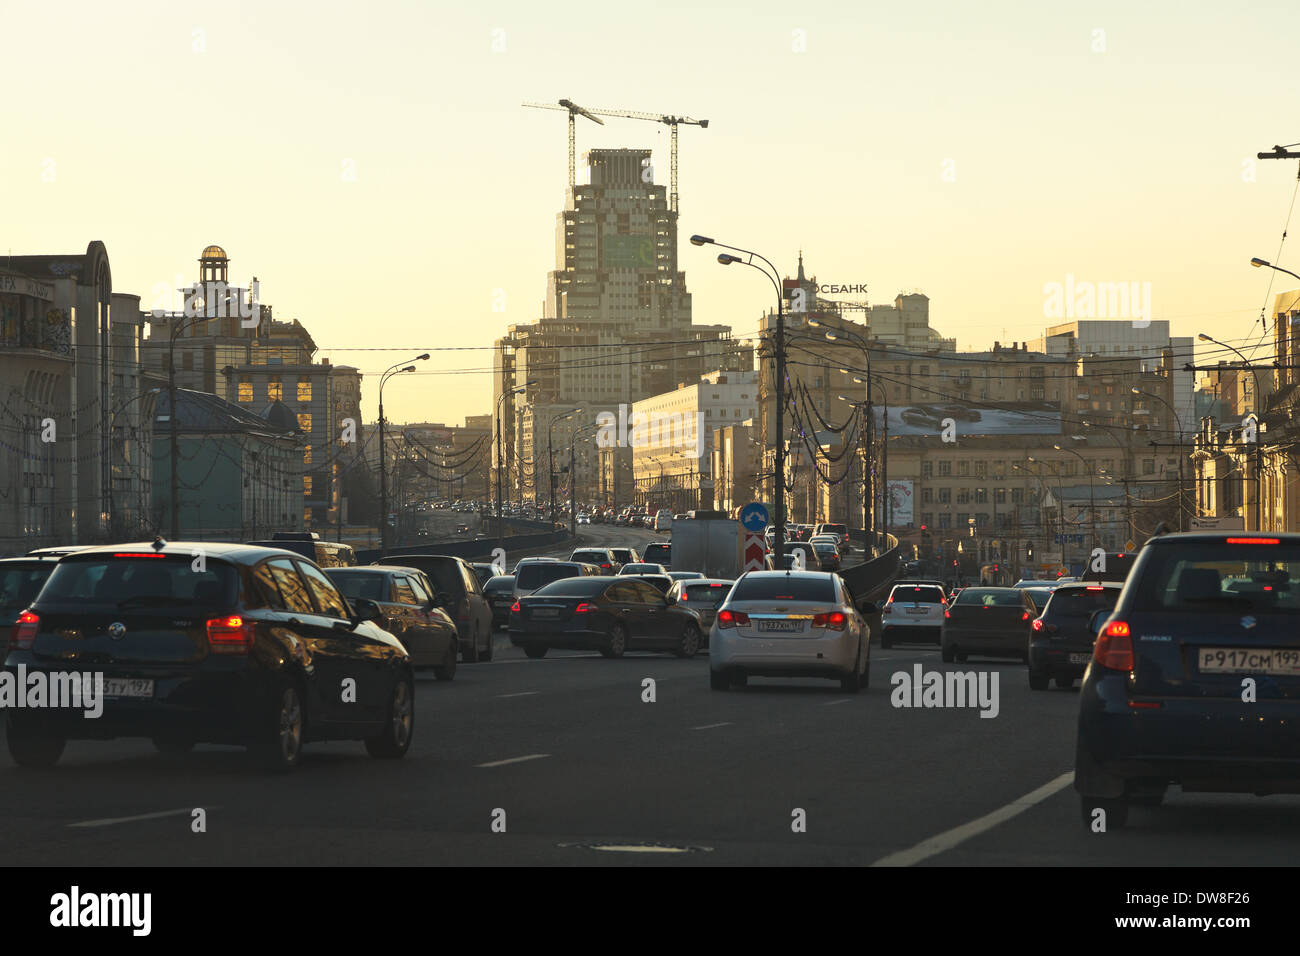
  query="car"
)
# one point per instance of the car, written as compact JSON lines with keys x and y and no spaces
{"x":685,"y":575}
{"x":703,"y":596}
{"x":251,"y":650}
{"x":500,"y":593}
{"x":658,"y":552}
{"x":625,"y":555}
{"x":643,"y":567}
{"x":789,"y":562}
{"x":483,"y":571}
{"x":912,"y":612}
{"x":663,"y":520}
{"x":988,"y":621}
{"x":1164,"y":700}
{"x":324,"y":554}
{"x":611,"y":615}
{"x":21,"y":579}
{"x":1040,"y":597}
{"x":827,"y":554}
{"x":57,"y":551}
{"x":462,"y":529}
{"x":960,"y":413}
{"x":922,"y":416}
{"x":603,"y":558}
{"x":1061,"y":639}
{"x":582,"y":519}
{"x":533,"y":573}
{"x":841,"y":532}
{"x":456,"y":591}
{"x":789,"y":624}
{"x":407,"y":611}
{"x":811,"y":562}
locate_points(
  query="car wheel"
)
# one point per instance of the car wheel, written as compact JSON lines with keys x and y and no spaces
{"x":1116,"y":810}
{"x":1037,"y":680}
{"x":719,"y":680}
{"x":31,"y":744}
{"x":447,"y":671}
{"x":277,"y":744}
{"x":1065,"y":683}
{"x":395,"y":739}
{"x":851,"y":683}
{"x":617,"y":642}
{"x":948,"y":653}
{"x":690,"y":642}
{"x":535,"y":652}
{"x":173,"y":746}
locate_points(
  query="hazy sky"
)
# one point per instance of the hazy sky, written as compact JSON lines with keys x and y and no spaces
{"x":372,"y":165}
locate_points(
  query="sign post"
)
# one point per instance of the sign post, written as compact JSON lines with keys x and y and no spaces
{"x":753,"y":523}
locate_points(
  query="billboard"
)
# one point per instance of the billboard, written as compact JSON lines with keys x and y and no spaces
{"x":971,"y":418}
{"x":899,"y":504}
{"x":627,"y":252}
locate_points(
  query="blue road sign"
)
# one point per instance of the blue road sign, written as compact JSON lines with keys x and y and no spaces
{"x":754,"y":517}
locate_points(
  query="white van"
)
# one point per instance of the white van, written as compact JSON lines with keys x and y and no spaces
{"x":663,"y":520}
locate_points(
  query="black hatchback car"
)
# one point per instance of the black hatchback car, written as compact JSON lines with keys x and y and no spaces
{"x":1195,"y":676}
{"x":608,"y":614}
{"x":209,"y":643}
{"x":1061,"y":638}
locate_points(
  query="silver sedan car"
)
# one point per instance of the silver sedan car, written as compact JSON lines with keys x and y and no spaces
{"x":789,"y":624}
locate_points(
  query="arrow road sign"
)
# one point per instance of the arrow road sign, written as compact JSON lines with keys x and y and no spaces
{"x":754,"y":551}
{"x":753,"y":517}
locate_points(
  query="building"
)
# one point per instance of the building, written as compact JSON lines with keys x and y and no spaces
{"x":906,"y":324}
{"x":736,"y":456}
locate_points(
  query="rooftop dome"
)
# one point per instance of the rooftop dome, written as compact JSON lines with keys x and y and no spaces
{"x":214,"y":252}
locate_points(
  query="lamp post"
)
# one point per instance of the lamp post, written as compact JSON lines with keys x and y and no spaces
{"x":573,"y":475}
{"x":1181,"y":498}
{"x":397,"y":369}
{"x":550,"y":447}
{"x":1259,"y":397}
{"x":1092,"y":496}
{"x":501,"y":531}
{"x":779,"y":360}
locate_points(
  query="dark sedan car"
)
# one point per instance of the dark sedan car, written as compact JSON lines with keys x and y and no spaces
{"x":608,"y":614}
{"x":989,"y":622}
{"x":662,"y":582}
{"x":406,"y":611}
{"x":1195,"y":676}
{"x":1061,"y":638}
{"x":250,"y":646}
{"x":500,"y":593}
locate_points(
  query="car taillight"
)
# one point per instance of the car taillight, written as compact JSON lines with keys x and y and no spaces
{"x":1037,"y":626}
{"x":230,"y":635}
{"x":606,"y":566}
{"x":682,"y":599}
{"x":24,"y":631}
{"x":1254,"y":541}
{"x":584,"y":608}
{"x":1114,"y":647}
{"x":831,"y":619}
{"x":1024,"y":616}
{"x":514,"y":608}
{"x":728,"y":618}
{"x":947,"y":613}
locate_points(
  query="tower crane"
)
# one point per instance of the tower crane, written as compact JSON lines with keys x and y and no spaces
{"x":574,"y":110}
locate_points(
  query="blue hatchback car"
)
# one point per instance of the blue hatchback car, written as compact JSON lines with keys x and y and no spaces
{"x":1195,"y":675}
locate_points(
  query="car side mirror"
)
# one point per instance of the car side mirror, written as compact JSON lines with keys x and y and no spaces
{"x":364,"y":609}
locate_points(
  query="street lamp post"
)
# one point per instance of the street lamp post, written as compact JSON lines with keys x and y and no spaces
{"x":1259,"y":397}
{"x":501,"y":531}
{"x":573,"y":475}
{"x":1092,"y":496}
{"x":1182,"y":505}
{"x":397,"y":369}
{"x":550,"y":447}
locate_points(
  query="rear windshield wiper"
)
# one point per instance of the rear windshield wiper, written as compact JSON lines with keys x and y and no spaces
{"x":148,"y":600}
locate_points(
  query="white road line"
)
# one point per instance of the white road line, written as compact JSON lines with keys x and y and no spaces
{"x":725,"y":723}
{"x":522,"y":693}
{"x":950,"y":838}
{"x":502,"y":763}
{"x":842,"y":700}
{"x":143,"y":816}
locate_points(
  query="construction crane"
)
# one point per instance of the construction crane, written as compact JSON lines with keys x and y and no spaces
{"x":672,"y":122}
{"x":574,"y":110}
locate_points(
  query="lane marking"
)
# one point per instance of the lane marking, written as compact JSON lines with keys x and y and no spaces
{"x":950,"y":838}
{"x":110,"y":821}
{"x":522,"y":693}
{"x":842,"y":700}
{"x":502,"y":763}
{"x":725,"y":723}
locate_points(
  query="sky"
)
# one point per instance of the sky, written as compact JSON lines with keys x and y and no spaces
{"x":372,"y":165}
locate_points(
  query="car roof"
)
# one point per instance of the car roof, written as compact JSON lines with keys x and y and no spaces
{"x":809,"y":575}
{"x":241,"y":553}
{"x":33,"y":560}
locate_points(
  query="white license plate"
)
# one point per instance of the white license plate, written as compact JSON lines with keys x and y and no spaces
{"x":918,"y":610}
{"x":1282,"y":661}
{"x":782,"y":627}
{"x":1080,"y":658}
{"x":127,"y":687}
{"x":546,"y":612}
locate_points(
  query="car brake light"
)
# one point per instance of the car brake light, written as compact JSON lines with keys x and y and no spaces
{"x":831,"y":619}
{"x":584,"y":608}
{"x":1254,"y":541}
{"x":682,"y":598}
{"x":728,"y":618}
{"x":1094,"y":587}
{"x":146,"y":554}
{"x":1037,"y":625}
{"x":1114,"y":647}
{"x":230,"y":635}
{"x":605,"y":565}
{"x":514,"y":608}
{"x":24,"y":631}
{"x":947,"y":613}
{"x":1024,"y":616}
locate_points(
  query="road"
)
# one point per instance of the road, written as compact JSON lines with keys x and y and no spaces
{"x":569,"y":756}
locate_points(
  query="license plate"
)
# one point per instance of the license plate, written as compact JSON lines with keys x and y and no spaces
{"x":1281,"y":661}
{"x":127,"y":687}
{"x":546,"y":612}
{"x":917,"y":610}
{"x":783,"y":627}
{"x":1080,"y":658}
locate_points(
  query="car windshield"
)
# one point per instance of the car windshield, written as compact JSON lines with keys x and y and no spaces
{"x":574,"y":587}
{"x":784,"y":588}
{"x":1081,"y":602}
{"x":713,"y":594}
{"x":141,"y":581}
{"x":358,"y":584}
{"x":19,"y":585}
{"x":922,"y":594}
{"x":990,"y":597}
{"x":533,"y":576}
{"x":1248,"y":573}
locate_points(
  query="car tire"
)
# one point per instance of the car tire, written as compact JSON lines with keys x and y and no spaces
{"x":616,"y":643}
{"x":277,"y":742}
{"x":1116,"y":809}
{"x":1065,"y":683}
{"x":399,"y":725}
{"x":31,"y":744}
{"x":1037,"y":680}
{"x":535,"y":652}
{"x":447,"y":671}
{"x":689,"y":644}
{"x":851,"y":683}
{"x":173,"y":746}
{"x":719,"y":680}
{"x":948,"y":653}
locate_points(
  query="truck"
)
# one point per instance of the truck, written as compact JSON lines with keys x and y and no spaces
{"x":708,"y":545}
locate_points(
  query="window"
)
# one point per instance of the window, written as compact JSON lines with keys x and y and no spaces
{"x":927,"y":469}
{"x":945,"y":496}
{"x":963,"y":496}
{"x":304,"y":390}
{"x":981,"y":469}
{"x":245,"y":389}
{"x":306,"y":484}
{"x":963,"y":469}
{"x":981,"y":496}
{"x":1017,"y":496}
{"x":1148,"y":466}
{"x":402,"y":592}
{"x":927,"y":496}
{"x":945,"y":468}
{"x":945,"y":521}
{"x":327,"y":596}
{"x":304,"y":421}
{"x":293,"y":595}
{"x":275,"y":389}
{"x":306,"y":454}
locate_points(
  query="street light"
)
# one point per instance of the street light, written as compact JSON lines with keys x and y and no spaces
{"x":1264,"y":262}
{"x":383,"y":463}
{"x":1092,"y":495}
{"x":1181,"y":497}
{"x":1259,"y":397}
{"x":779,"y":360}
{"x":593,"y":427}
{"x":550,"y":447}
{"x":501,"y":531}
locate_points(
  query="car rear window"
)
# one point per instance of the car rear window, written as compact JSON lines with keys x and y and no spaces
{"x":502,"y":582}
{"x":19,"y":585}
{"x":533,"y":576}
{"x":591,"y":557}
{"x":359,"y":585}
{"x":574,"y":587}
{"x":1251,"y":573}
{"x":445,"y":575}
{"x":990,"y":597}
{"x":707,"y":593}
{"x":1081,"y":602}
{"x":922,"y":594}
{"x":145,"y":581}
{"x":654,"y":551}
{"x":784,"y":588}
